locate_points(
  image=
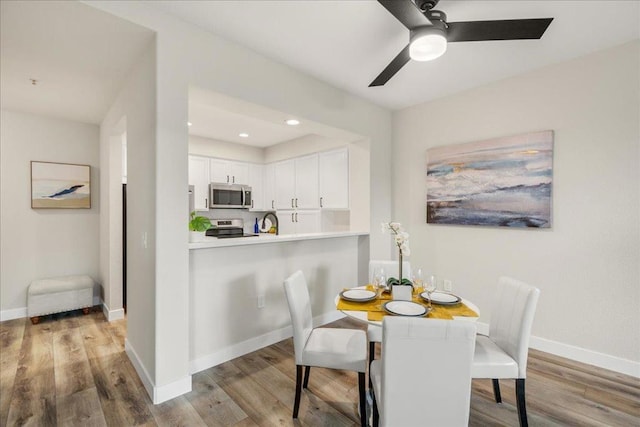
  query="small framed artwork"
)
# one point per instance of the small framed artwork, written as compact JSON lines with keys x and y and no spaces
{"x":60,"y":186}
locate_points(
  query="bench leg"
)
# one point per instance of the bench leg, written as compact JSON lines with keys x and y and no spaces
{"x":86,"y":310}
{"x":35,"y":320}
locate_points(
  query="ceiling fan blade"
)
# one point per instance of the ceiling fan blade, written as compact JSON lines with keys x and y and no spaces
{"x":406,"y":12}
{"x":395,"y":65}
{"x":509,"y":29}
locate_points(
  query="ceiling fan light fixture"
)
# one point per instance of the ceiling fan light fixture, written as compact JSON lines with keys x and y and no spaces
{"x":427,"y":43}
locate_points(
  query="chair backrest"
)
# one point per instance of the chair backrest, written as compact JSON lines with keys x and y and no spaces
{"x":426,"y":371}
{"x":295,"y":288}
{"x":514,"y":306}
{"x":391,"y":268}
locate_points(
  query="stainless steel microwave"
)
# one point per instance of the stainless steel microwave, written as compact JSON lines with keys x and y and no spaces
{"x":229,"y":196}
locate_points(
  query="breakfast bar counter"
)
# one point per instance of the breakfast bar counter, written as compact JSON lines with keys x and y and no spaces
{"x":262,"y":238}
{"x":237,"y":301}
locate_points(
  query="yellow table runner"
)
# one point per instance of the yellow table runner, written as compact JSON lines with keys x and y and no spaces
{"x":375,"y":312}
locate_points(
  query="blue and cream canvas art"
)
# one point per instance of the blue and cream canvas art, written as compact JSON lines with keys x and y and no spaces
{"x":502,"y":182}
{"x":60,"y":185}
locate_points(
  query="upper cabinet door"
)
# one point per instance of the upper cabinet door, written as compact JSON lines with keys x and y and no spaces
{"x":239,"y":172}
{"x":220,"y":171}
{"x":256,"y":181}
{"x":199,"y":178}
{"x":334,"y":179}
{"x":307,"y":182}
{"x":269,"y":187}
{"x":285,"y":184}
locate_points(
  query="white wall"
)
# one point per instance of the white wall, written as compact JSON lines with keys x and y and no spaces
{"x":225,"y":150}
{"x":39,"y":243}
{"x":133,"y":111}
{"x":587,"y":265}
{"x":240,"y":73}
{"x":300,"y":146}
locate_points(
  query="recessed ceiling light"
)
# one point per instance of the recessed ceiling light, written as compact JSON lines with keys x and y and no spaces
{"x":189,"y":123}
{"x":292,"y":122}
{"x":243,"y":135}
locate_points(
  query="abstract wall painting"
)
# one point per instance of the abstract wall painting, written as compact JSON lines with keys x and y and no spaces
{"x":502,"y":182}
{"x":60,"y":185}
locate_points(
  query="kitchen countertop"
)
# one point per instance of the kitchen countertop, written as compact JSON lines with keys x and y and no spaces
{"x":214,"y":242}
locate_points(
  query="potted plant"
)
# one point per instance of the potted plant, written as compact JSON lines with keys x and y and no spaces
{"x":198,"y":225}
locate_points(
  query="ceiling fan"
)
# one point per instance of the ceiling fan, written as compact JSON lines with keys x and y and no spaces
{"x":430,"y":32}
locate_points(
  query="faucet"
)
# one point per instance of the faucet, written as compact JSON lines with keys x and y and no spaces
{"x":273,"y":214}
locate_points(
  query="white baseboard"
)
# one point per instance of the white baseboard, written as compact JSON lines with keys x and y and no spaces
{"x":13,"y":313}
{"x":578,"y":354}
{"x":157,"y":394}
{"x":112,"y":315}
{"x":253,"y":344}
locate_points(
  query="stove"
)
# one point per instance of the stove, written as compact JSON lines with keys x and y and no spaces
{"x":227,"y":229}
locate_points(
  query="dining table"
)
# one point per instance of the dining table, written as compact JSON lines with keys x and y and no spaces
{"x":372,"y":311}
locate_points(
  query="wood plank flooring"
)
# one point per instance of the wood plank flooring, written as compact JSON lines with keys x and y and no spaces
{"x":72,"y":370}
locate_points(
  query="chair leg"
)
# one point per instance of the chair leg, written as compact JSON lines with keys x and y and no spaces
{"x":306,"y":377}
{"x":372,"y":353}
{"x":376,"y":414}
{"x":522,"y":407}
{"x":296,"y":403}
{"x":363,"y":399}
{"x":496,"y":390}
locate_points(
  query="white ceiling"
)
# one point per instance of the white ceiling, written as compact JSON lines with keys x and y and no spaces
{"x":80,"y":55}
{"x":348,"y":43}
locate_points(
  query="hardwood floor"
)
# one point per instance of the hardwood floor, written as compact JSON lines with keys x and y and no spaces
{"x":72,"y":370}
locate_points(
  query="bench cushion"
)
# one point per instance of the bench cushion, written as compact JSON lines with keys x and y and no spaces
{"x":60,"y":284}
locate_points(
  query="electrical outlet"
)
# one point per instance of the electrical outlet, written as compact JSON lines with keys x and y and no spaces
{"x":260,"y":301}
{"x":448,"y":287}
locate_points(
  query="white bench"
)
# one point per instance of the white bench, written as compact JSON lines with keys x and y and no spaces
{"x":58,"y":294}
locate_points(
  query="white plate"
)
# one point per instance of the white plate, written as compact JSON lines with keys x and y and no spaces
{"x":267,"y":225}
{"x":405,"y":308}
{"x":441,"y":298}
{"x":358,"y":295}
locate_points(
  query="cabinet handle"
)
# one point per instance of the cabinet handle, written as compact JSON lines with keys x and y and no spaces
{"x":272,"y":204}
{"x":251,"y":203}
{"x":292,"y":217}
{"x":292,"y":203}
{"x":227,"y":179}
{"x":233,"y":179}
{"x":296,"y":216}
{"x":296,"y":202}
{"x":206,"y":203}
{"x":320,"y":201}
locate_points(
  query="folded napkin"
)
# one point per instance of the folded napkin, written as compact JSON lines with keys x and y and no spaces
{"x":375,"y":312}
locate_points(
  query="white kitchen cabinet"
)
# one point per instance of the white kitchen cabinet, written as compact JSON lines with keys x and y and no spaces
{"x":306,"y":196}
{"x":256,"y":181}
{"x":334,"y":179}
{"x":296,"y":183}
{"x":284,"y":173}
{"x":298,"y":221}
{"x":269,"y":187}
{"x":199,"y":178}
{"x":229,"y":171}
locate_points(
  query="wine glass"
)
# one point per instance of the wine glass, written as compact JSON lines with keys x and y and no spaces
{"x":379,"y":280}
{"x":431,"y":284}
{"x":418,"y":279}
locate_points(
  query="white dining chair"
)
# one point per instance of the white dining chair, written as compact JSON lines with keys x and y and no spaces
{"x":332,"y":348}
{"x":424,"y":374}
{"x":503,"y":353}
{"x":391,"y":269}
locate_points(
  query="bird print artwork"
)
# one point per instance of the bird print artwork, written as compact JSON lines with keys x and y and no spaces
{"x":66,"y":191}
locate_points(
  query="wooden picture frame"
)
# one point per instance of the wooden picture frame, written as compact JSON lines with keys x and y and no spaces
{"x":60,"y":185}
